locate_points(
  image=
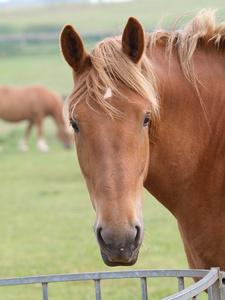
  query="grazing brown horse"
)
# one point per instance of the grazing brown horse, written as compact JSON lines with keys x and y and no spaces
{"x":33,"y":103}
{"x":149,"y":110}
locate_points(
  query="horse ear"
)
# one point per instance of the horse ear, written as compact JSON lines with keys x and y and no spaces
{"x":133,"y":40}
{"x":73,"y":50}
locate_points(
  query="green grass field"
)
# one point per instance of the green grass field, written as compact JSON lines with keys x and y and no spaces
{"x":46,"y":215}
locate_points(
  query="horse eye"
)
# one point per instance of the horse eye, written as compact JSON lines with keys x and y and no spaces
{"x":75,"y":126}
{"x":146,"y":120}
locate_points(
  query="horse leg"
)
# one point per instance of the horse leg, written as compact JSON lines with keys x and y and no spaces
{"x":41,"y":144}
{"x":23,"y":142}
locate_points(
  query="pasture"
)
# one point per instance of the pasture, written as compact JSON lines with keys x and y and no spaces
{"x":46,"y":215}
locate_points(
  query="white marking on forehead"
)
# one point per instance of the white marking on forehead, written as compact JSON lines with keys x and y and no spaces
{"x":108,"y":93}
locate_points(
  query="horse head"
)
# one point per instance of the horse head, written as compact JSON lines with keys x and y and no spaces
{"x":111,"y":120}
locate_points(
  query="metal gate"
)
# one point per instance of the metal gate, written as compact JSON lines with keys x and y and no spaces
{"x":212,"y":280}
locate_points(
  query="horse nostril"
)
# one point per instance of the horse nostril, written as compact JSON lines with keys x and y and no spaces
{"x":138,"y":235}
{"x":99,"y":236}
{"x":100,"y":239}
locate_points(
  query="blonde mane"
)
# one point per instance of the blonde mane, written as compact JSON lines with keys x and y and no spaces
{"x":110,"y":65}
{"x":201,"y":30}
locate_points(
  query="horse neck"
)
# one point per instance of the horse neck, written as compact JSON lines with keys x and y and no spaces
{"x":183,"y":154}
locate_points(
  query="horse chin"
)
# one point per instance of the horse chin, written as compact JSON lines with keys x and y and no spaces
{"x":114,"y":263}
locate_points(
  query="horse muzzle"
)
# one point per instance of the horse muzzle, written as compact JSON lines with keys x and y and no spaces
{"x":119,"y":249}
{"x":120,"y":259}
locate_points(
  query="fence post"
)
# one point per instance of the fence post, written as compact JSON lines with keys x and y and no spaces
{"x":45,"y":291}
{"x":222,"y":285}
{"x":97,"y":289}
{"x":214,"y":291}
{"x":144,"y":288}
{"x":180,"y":283}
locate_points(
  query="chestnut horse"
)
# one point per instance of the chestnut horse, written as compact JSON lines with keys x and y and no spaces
{"x":148,"y":109}
{"x":33,"y":103}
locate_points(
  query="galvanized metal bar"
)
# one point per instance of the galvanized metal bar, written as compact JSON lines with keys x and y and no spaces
{"x":103,"y":275}
{"x":213,"y":278}
{"x":180,"y":283}
{"x":45,"y":291}
{"x":215,"y":289}
{"x":97,"y":290}
{"x":144,"y":288}
{"x":196,"y":288}
{"x":210,"y":296}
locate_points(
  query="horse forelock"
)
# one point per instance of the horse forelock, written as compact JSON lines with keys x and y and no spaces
{"x":109,"y":67}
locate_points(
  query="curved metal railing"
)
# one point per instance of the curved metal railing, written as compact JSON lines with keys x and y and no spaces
{"x":212,"y":280}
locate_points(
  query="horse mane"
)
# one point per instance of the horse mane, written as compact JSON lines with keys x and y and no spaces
{"x":201,"y":30}
{"x":110,"y":65}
